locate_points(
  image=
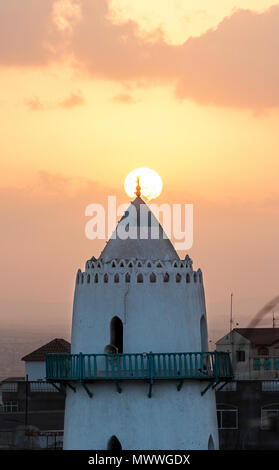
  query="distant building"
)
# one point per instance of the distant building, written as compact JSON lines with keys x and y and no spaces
{"x":32,"y":411}
{"x":254,"y":352}
{"x":35,"y":366}
{"x":248,"y":408}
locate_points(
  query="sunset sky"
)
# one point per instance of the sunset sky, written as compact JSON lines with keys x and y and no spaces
{"x":90,"y":90}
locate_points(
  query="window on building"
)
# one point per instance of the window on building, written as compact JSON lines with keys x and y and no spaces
{"x":116,"y":334}
{"x":270,"y":386}
{"x":270,"y":417}
{"x":227,"y":416}
{"x":10,"y":406}
{"x":240,"y":356}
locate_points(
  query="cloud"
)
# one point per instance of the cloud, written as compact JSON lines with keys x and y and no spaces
{"x":25,"y":32}
{"x":71,"y":101}
{"x":75,"y":99}
{"x":123,"y":98}
{"x":34,"y":104}
{"x":236,"y":64}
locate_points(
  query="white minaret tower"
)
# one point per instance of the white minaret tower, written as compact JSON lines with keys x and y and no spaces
{"x":139,"y":375}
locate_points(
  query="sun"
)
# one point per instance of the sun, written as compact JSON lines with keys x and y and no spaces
{"x":149,"y":180}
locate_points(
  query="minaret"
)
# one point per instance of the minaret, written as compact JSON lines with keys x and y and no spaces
{"x":140,"y":375}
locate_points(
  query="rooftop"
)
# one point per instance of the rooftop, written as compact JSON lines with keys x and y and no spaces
{"x":57,"y":345}
{"x":140,"y":217}
{"x":260,"y":336}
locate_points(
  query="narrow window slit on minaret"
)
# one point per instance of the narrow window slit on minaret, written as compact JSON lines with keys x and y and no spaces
{"x":116,"y":334}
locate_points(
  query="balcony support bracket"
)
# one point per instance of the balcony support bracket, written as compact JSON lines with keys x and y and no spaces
{"x":211,"y":384}
{"x":118,"y":388}
{"x":180,"y":385}
{"x":150,"y":389}
{"x":57,"y":388}
{"x":70,"y":386}
{"x":222,"y":386}
{"x":90,"y":394}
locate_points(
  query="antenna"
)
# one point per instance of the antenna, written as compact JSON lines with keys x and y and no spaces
{"x":231,"y":316}
{"x":231,"y":330}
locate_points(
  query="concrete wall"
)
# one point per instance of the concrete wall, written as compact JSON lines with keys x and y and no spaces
{"x":35,"y":370}
{"x":168,"y":420}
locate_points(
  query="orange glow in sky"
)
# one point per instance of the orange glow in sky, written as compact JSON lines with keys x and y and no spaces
{"x":91,"y":89}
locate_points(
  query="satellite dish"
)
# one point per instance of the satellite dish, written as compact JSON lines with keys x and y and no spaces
{"x":111,"y":349}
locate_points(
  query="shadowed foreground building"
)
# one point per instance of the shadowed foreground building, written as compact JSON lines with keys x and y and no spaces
{"x":31,"y":409}
{"x":248,"y":408}
{"x":139,"y":375}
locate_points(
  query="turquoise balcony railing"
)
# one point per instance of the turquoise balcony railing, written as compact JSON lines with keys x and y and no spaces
{"x":214,"y":367}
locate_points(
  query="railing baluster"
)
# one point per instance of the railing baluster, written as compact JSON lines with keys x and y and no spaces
{"x":136,"y":366}
{"x":175,"y":365}
{"x":95,"y":366}
{"x":170,"y":365}
{"x":107,"y":367}
{"x":112,"y":358}
{"x":118,"y":367}
{"x":159,"y":366}
{"x":180,"y":364}
{"x":165,"y":365}
{"x":130,"y":366}
{"x":191,"y":365}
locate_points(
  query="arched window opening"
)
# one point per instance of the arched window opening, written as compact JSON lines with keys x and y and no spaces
{"x":116,"y":334}
{"x":195,"y":277}
{"x":178,"y":277}
{"x":88,"y":278}
{"x":211,"y":443}
{"x":166,"y":277}
{"x":92,"y":266}
{"x":139,"y":264}
{"x":270,"y":417}
{"x":106,"y":278}
{"x":140,"y":278}
{"x":127,"y":278}
{"x":113,"y":265}
{"x":188,"y":278}
{"x":82,"y":278}
{"x":114,"y":444}
{"x":203,"y":332}
{"x":159,"y":265}
{"x":96,"y":278}
{"x":149,"y":265}
{"x":130,"y":265}
{"x":121,"y":264}
{"x":116,"y":278}
{"x":152,"y":277}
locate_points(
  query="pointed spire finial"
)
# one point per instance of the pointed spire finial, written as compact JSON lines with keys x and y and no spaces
{"x":138,"y":188}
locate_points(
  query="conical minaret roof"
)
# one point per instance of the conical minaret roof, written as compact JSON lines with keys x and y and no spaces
{"x":159,"y":248}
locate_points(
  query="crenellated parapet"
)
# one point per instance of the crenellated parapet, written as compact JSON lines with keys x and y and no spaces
{"x":138,"y":271}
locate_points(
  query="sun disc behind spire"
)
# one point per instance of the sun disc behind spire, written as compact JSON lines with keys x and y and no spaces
{"x":143,"y":182}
